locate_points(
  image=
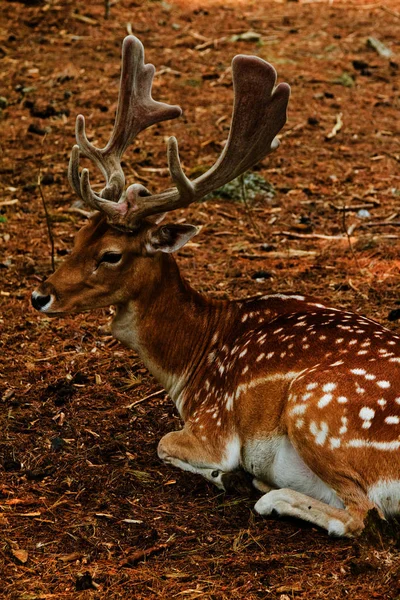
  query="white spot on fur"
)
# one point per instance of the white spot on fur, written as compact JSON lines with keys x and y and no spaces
{"x":343,"y":428}
{"x":383,"y":384}
{"x":366,"y":413}
{"x":299,"y":409}
{"x":329,"y":387}
{"x":324,"y":400}
{"x":320,"y":433}
{"x":358,"y":371}
{"x":386,"y":446}
{"x":229,"y":402}
{"x":392,"y":420}
{"x":334,"y":443}
{"x":311,"y":386}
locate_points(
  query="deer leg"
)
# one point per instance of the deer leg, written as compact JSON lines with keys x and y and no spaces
{"x":185,"y":450}
{"x":289,"y":503}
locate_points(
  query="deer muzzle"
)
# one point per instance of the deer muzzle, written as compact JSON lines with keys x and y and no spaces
{"x":43,"y":298}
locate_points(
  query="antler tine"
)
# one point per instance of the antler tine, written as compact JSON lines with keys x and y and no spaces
{"x":259,"y":113}
{"x":136,"y":111}
{"x":73,"y":170}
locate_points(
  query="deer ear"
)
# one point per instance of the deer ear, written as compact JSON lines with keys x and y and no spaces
{"x":169,"y":238}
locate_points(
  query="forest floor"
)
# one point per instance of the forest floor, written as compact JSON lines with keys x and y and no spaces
{"x":87,"y":510}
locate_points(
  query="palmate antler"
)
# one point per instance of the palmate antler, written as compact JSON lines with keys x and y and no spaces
{"x":259,"y":113}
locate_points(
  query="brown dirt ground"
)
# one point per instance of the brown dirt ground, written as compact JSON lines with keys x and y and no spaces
{"x":85,"y":503}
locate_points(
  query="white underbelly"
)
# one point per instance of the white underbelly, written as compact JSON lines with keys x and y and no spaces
{"x":276,"y":462}
{"x":386,"y":495}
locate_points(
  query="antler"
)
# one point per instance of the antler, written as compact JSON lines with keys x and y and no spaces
{"x":136,"y":111}
{"x":259,"y":113}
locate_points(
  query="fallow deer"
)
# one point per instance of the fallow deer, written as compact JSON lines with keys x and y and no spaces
{"x":303,"y":397}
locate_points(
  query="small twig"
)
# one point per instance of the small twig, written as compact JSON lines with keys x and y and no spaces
{"x":209,"y":43}
{"x":289,"y":252}
{"x":355,"y":207}
{"x":107,"y":5}
{"x":394,"y":13}
{"x":153,"y":395}
{"x":353,"y":287}
{"x":132,"y":559}
{"x":382,"y":223}
{"x":53,"y":356}
{"x":48,"y":219}
{"x":9,"y":202}
{"x":79,"y":211}
{"x":346,"y":231}
{"x":309,"y":236}
{"x":84,"y":19}
{"x":336,"y":128}
{"x":292,"y":130}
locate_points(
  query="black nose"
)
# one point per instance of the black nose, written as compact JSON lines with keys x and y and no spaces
{"x":39,"y":301}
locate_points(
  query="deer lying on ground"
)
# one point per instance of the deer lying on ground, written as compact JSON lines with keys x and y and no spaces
{"x":302,"y":396}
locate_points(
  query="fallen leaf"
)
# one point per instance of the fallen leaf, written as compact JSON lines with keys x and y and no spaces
{"x":20,"y":555}
{"x":66,"y":558}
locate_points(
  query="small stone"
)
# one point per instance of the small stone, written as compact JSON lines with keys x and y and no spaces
{"x":261,"y":275}
{"x":394,"y":315}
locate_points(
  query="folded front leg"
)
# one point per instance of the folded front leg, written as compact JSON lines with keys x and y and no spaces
{"x":189,"y":452}
{"x":339,"y":522}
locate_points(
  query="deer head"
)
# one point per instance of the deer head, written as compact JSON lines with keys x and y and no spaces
{"x":112,"y":253}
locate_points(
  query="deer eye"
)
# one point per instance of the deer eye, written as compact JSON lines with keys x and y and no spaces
{"x":111,"y":258}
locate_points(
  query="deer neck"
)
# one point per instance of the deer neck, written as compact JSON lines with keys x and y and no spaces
{"x":169,"y":325}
